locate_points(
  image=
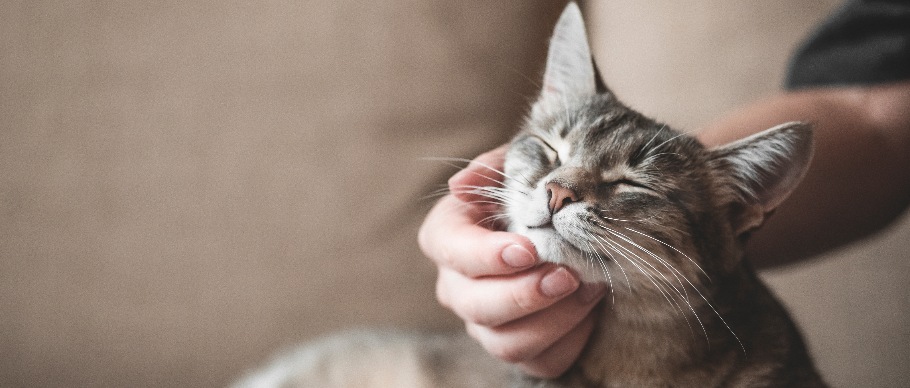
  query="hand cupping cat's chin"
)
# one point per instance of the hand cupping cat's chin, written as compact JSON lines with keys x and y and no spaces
{"x":553,"y":248}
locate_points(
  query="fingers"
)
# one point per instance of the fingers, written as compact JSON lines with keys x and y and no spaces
{"x":529,"y":340}
{"x":484,"y":170}
{"x":555,"y":360}
{"x":452,"y":238}
{"x":535,"y":316}
{"x":494,"y":301}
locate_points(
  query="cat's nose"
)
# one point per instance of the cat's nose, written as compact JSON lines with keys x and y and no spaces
{"x":559,"y":196}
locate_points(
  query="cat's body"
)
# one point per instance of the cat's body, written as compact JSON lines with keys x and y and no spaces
{"x":627,"y":201}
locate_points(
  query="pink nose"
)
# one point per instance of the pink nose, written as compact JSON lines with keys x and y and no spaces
{"x":560,"y":196}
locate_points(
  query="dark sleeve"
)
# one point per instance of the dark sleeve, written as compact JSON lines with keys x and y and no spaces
{"x":865,"y":42}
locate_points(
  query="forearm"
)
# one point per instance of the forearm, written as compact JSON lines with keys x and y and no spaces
{"x":859,"y":179}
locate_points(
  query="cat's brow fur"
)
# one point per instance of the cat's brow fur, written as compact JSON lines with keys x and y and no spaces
{"x":648,"y":210}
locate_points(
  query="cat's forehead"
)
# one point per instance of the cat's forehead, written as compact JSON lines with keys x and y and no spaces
{"x":614,"y":136}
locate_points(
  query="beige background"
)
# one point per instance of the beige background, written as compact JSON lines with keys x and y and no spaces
{"x":186,"y":187}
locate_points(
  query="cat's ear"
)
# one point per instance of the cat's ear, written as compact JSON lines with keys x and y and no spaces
{"x":760,"y":171}
{"x":570,"y":69}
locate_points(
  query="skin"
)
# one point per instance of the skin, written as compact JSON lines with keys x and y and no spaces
{"x":538,"y":316}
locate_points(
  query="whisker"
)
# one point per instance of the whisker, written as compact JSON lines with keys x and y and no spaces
{"x":493,"y":219}
{"x":671,"y":247}
{"x":601,"y":214}
{"x":469,"y":162}
{"x":662,"y":128}
{"x":681,"y":292}
{"x":647,"y":274}
{"x":681,"y":134}
{"x":628,"y":282}
{"x":606,"y":272}
{"x":650,"y":157}
{"x":713,"y":309}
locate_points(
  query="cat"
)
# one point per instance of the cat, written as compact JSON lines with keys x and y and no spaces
{"x":620,"y":199}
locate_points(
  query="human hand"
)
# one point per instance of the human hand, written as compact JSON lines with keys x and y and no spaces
{"x":538,"y":316}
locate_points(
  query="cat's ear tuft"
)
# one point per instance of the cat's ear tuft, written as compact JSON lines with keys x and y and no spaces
{"x":570,"y":67}
{"x":760,"y":171}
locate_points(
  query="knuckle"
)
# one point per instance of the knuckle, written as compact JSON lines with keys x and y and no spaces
{"x":496,"y":345}
{"x":469,"y":312}
{"x":442,"y":296}
{"x":425,"y":241}
{"x":504,"y":352}
{"x":428,"y":235}
{"x":422,"y":239}
{"x":474,"y":314}
{"x":525,"y":299}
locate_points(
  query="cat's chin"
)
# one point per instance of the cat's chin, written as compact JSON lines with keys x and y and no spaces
{"x":553,"y":248}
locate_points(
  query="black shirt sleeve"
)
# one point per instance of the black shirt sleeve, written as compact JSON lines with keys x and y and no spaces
{"x":865,"y":42}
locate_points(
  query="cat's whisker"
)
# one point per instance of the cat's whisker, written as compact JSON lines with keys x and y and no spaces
{"x":494,"y":189}
{"x":679,"y":276}
{"x":655,"y":156}
{"x":503,"y":194}
{"x":663,"y":144}
{"x":593,"y":254}
{"x":602,"y":214}
{"x":648,"y":274}
{"x":607,"y":251}
{"x":654,"y":270}
{"x":671,"y":247}
{"x":662,"y":128}
{"x":713,"y":309}
{"x":481,"y":202}
{"x":680,"y":292}
{"x":676,"y":274}
{"x":678,"y":135}
{"x":722,"y":320}
{"x":448,"y":162}
{"x":441,"y":190}
{"x":493,"y":219}
{"x":470,"y":162}
{"x":434,"y":195}
{"x":664,"y":262}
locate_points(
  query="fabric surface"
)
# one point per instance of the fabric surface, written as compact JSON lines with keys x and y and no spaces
{"x":865,"y":42}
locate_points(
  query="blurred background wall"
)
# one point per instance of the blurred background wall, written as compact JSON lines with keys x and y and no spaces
{"x":187,"y":187}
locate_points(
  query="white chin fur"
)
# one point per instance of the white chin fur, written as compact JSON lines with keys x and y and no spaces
{"x":553,"y":248}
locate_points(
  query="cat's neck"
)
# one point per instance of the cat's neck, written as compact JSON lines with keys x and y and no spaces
{"x":637,"y":336}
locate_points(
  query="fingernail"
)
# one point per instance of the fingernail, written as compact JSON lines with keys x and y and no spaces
{"x":591,"y":292}
{"x":517,"y":256}
{"x":558,"y":282}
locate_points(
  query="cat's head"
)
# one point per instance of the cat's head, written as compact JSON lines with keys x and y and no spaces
{"x":623,"y":199}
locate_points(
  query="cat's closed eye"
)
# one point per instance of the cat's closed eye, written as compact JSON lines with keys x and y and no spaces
{"x":626,"y":183}
{"x":626,"y":186}
{"x":550,"y":152}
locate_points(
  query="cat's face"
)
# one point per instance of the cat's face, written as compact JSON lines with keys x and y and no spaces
{"x":611,"y":194}
{"x":625,"y":200}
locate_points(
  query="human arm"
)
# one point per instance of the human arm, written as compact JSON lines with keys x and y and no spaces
{"x":859,"y":179}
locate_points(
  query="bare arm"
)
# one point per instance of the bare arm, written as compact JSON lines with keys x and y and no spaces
{"x":860,"y":177}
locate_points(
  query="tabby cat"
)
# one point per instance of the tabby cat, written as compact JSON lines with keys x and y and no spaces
{"x":628,"y":201}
